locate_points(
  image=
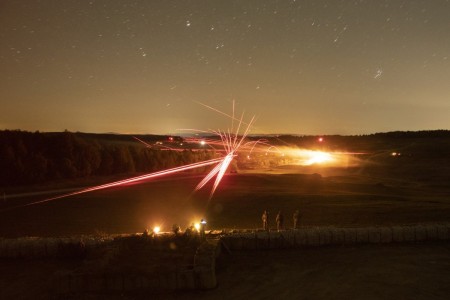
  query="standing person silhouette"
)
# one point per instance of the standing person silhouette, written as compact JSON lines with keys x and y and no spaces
{"x":296,"y":218}
{"x":280,"y":221}
{"x":265,"y":220}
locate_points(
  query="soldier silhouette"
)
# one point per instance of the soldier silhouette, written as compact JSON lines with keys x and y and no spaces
{"x":296,"y":218}
{"x":265,"y":220}
{"x":280,"y":220}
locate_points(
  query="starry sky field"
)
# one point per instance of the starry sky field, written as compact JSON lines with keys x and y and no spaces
{"x":302,"y":67}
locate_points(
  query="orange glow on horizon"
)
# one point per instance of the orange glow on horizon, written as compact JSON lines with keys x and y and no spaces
{"x":307,"y":157}
{"x":319,"y":157}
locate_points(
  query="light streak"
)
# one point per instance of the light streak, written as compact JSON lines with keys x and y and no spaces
{"x":222,"y":113}
{"x":232,"y":144}
{"x":261,"y":142}
{"x":223,"y":167}
{"x":159,"y":145}
{"x":128,"y":181}
{"x":229,"y":141}
{"x":146,"y":144}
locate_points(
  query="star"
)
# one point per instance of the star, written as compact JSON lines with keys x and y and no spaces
{"x":378,"y":73}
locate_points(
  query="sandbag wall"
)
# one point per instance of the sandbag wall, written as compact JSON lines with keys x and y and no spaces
{"x":37,"y":247}
{"x":200,"y":275}
{"x":322,"y":236}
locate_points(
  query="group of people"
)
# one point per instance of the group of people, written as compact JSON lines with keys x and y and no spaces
{"x":279,"y":220}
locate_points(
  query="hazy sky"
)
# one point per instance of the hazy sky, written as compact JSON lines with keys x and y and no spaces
{"x":314,"y":67}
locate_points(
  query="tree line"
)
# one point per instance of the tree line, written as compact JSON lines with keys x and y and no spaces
{"x":29,"y":158}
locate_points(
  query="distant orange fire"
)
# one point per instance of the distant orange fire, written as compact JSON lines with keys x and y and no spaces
{"x":306,"y":157}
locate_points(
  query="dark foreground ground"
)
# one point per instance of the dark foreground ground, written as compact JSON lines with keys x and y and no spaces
{"x":381,"y":272}
{"x":406,"y":271}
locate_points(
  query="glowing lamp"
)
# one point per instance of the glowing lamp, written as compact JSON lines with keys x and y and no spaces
{"x":203,"y":222}
{"x":202,"y":143}
{"x":156,"y":229}
{"x":197,"y":226}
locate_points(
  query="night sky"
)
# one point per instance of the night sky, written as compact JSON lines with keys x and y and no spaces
{"x":305,"y":67}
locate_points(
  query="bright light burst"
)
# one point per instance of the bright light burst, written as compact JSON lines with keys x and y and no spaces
{"x":231,"y":142}
{"x":306,"y":157}
{"x":318,"y":157}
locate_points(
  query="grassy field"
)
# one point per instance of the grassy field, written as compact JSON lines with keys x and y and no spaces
{"x":342,"y":197}
{"x":369,"y":187}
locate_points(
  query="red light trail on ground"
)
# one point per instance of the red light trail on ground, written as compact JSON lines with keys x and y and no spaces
{"x":229,"y":142}
{"x":128,"y":181}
